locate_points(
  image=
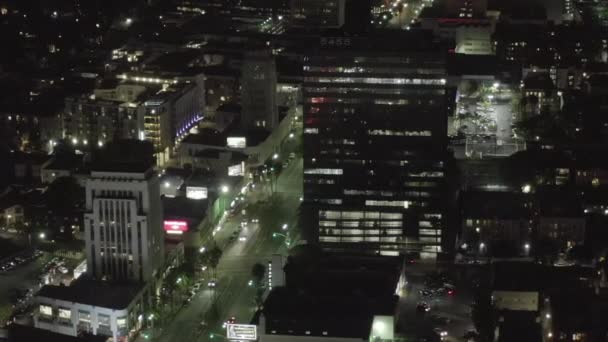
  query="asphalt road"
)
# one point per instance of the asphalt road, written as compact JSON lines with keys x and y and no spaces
{"x":233,"y":295}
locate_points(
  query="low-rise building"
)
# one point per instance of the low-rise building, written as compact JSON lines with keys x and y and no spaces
{"x":91,"y":307}
{"x":491,"y":216}
{"x":560,"y":218}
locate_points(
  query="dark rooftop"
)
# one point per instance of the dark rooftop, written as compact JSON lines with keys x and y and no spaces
{"x":538,"y":80}
{"x":461,"y":64}
{"x":213,"y":137}
{"x":343,"y":275}
{"x":22,"y":333}
{"x":84,"y":290}
{"x":517,"y":276}
{"x":559,"y":202}
{"x":494,"y":204}
{"x":124,"y":156}
{"x":182,"y":208}
{"x":290,"y":312}
{"x":70,"y":162}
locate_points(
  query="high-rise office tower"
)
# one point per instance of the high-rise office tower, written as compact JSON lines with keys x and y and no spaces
{"x":375,"y":121}
{"x":259,"y":90}
{"x":123,"y":231}
{"x":318,"y":13}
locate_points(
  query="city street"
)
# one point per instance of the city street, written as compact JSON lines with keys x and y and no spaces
{"x":233,"y":294}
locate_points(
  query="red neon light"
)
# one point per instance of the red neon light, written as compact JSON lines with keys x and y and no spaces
{"x":172,"y":226}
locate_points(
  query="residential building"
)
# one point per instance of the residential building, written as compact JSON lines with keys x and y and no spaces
{"x":495,"y":216}
{"x":107,"y":114}
{"x":170,"y":113}
{"x":123,"y":222}
{"x":375,"y":117}
{"x":318,"y":14}
{"x":561,"y":218}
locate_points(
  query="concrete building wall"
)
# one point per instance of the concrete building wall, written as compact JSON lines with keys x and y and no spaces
{"x":123,"y":215}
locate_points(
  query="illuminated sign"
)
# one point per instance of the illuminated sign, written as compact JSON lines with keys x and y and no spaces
{"x":243,"y":332}
{"x":176,"y":227}
{"x":196,"y":192}
{"x":236,"y":142}
{"x":236,"y":170}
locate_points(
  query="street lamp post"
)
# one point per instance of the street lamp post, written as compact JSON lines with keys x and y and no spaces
{"x":287,"y":238}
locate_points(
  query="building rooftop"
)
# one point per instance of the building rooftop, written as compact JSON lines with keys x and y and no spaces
{"x":213,"y":137}
{"x":517,"y":276}
{"x":538,"y":80}
{"x":182,"y":208}
{"x":290,"y":312}
{"x":494,"y":205}
{"x":71,"y":162}
{"x":342,"y":275}
{"x":88,"y":291}
{"x":124,"y":156}
{"x":21,"y":333}
{"x":559,"y":202}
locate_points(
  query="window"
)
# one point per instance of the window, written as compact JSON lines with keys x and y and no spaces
{"x":46,"y":310}
{"x":65,"y":314}
{"x":103,"y":320}
{"x":84,"y":316}
{"x":323,"y":171}
{"x":121,"y":322}
{"x":375,"y":203}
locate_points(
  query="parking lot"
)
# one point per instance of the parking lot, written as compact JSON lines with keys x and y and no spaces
{"x":433,"y":308}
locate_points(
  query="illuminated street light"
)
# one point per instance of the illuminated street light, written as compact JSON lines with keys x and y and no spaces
{"x":285,"y":226}
{"x":179,"y":280}
{"x":128,"y":21}
{"x":224,"y":189}
{"x":291,"y":135}
{"x":526,"y":188}
{"x":167,"y":184}
{"x":527,"y":247}
{"x":74,"y":141}
{"x":202,"y":249}
{"x":41,"y":236}
{"x":275,"y":156}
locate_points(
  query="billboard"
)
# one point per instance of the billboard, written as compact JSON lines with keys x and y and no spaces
{"x":243,"y":332}
{"x":236,"y":170}
{"x":236,"y":142}
{"x":176,"y":227}
{"x":196,"y":192}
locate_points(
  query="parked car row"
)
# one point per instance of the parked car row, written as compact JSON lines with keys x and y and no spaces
{"x":17,"y":261}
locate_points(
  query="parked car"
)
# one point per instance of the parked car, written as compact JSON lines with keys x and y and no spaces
{"x":423,"y":307}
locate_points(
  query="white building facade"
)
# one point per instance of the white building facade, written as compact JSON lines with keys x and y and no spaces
{"x":123,"y":225}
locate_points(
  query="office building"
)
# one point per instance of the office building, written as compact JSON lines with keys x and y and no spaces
{"x":123,"y":223}
{"x":318,"y":13}
{"x":259,"y":92}
{"x":375,"y":143}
